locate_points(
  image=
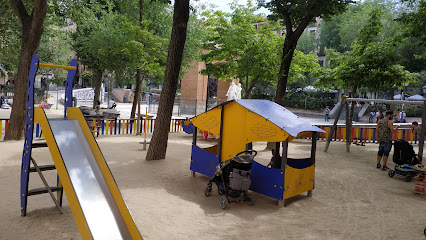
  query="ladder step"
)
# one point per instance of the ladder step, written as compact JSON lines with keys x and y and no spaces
{"x":39,"y":145}
{"x":42,"y":190}
{"x":43,"y":168}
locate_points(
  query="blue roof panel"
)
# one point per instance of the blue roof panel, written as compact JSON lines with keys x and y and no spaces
{"x":279,"y":115}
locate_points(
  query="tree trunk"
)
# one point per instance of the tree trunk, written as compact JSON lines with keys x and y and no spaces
{"x":98,"y":84}
{"x":158,"y":146}
{"x":288,"y":51}
{"x":32,"y":30}
{"x":139,"y":79}
{"x":290,"y":43}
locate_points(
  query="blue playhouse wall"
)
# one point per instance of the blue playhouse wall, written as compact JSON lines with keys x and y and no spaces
{"x":203,"y":162}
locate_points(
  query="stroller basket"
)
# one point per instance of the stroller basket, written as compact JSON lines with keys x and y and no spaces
{"x":239,"y":180}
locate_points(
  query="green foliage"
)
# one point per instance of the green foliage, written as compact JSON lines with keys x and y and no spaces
{"x":55,"y":48}
{"x":339,"y":32}
{"x":307,"y":42}
{"x":10,"y":38}
{"x":299,"y":11}
{"x":109,"y":41}
{"x":311,"y":100}
{"x":87,"y":77}
{"x":237,"y":49}
{"x":240,"y":51}
{"x":414,"y":19}
{"x":263,"y":90}
{"x":371,"y":63}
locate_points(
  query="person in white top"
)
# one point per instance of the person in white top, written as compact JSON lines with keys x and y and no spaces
{"x":231,"y":94}
{"x":402,"y":116}
{"x":238,"y":91}
{"x":111,"y":104}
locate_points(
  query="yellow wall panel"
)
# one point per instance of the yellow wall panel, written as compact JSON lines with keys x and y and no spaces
{"x":209,"y":121}
{"x":297,"y":181}
{"x":242,"y":126}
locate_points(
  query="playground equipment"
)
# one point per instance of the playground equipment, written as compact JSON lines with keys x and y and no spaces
{"x":239,"y":123}
{"x":345,"y":103}
{"x":144,"y":130}
{"x":94,"y":198}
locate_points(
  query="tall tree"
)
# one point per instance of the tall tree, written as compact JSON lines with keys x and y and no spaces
{"x":10,"y":39}
{"x":158,"y":146}
{"x":32,"y":30}
{"x":140,"y":74}
{"x":371,"y":64}
{"x":239,"y":50}
{"x":296,"y":16}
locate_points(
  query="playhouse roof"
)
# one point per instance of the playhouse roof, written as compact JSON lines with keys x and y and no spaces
{"x":278,"y":115}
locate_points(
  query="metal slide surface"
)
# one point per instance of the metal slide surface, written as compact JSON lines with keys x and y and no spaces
{"x":100,"y":211}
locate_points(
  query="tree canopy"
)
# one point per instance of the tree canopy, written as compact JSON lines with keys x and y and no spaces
{"x":237,"y":49}
{"x":372,"y":62}
{"x":296,"y":16}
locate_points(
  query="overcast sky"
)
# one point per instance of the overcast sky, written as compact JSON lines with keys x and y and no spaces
{"x":224,"y":5}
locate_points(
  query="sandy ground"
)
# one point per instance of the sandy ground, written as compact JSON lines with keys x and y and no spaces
{"x":352,"y":199}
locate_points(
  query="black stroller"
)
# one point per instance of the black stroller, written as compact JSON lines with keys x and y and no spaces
{"x":404,"y":155}
{"x":233,"y":179}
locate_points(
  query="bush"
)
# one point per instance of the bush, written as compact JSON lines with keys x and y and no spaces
{"x":310,"y":100}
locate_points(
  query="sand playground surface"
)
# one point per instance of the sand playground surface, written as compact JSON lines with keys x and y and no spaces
{"x":352,"y":199}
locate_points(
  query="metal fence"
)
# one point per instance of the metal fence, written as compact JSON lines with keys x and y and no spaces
{"x":360,"y":132}
{"x":109,"y":127}
{"x":365,"y":133}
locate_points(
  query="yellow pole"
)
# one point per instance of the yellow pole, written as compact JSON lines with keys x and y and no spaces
{"x":56,"y":66}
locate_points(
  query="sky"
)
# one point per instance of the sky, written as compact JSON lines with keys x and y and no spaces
{"x":224,"y":5}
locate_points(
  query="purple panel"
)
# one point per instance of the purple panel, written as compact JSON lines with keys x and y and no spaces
{"x":68,"y":87}
{"x":29,"y":130}
{"x":267,"y":181}
{"x":203,"y":162}
{"x":188,"y":128}
{"x":299,"y":163}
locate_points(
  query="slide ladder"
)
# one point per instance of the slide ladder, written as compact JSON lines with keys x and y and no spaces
{"x":97,"y":205}
{"x":27,"y":159}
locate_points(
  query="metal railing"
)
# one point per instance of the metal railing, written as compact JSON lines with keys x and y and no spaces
{"x":191,"y":107}
{"x":108,"y":126}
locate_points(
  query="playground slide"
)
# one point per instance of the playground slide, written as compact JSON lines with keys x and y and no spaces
{"x":97,"y":205}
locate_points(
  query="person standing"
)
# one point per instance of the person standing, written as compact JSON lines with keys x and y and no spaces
{"x":370,"y":119}
{"x":402,"y":116}
{"x":327,"y":112}
{"x":384,"y":131}
{"x":377,"y":116}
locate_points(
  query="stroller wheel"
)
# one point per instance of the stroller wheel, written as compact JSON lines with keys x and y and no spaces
{"x":223,"y":202}
{"x":208,"y":190}
{"x":391,"y":173}
{"x":408,"y":178}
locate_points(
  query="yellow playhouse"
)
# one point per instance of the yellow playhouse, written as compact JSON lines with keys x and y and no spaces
{"x":238,"y":124}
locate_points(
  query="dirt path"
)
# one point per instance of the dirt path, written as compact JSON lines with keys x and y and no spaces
{"x":352,"y":199}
